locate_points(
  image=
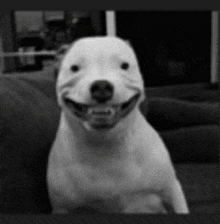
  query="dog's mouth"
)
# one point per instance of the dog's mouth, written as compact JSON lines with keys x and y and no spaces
{"x":102,"y":116}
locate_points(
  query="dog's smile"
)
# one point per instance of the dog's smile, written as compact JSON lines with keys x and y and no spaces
{"x":102,"y":116}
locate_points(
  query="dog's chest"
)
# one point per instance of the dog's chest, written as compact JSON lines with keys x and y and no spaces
{"x":106,"y":181}
{"x":110,"y":189}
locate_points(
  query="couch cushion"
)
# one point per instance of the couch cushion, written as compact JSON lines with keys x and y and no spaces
{"x":196,"y":144}
{"x":190,"y":130}
{"x":29,"y":118}
{"x":168,"y":113}
{"x":201,"y":185}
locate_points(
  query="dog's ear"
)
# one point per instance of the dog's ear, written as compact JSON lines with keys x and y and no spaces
{"x":61,"y":52}
{"x":128,"y":42}
{"x":59,"y":57}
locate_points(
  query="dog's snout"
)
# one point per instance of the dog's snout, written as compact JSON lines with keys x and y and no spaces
{"x":102,"y":91}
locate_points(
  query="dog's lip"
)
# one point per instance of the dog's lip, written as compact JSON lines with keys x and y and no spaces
{"x":102,"y":115}
{"x":128,"y":105}
{"x":83,"y":106}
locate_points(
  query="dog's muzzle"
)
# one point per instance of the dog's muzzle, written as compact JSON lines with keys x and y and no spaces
{"x":100,"y":115}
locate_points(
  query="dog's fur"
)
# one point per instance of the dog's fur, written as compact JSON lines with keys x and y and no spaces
{"x":120,"y":168}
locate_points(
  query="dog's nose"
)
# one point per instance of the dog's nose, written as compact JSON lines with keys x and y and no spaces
{"x":102,"y":91}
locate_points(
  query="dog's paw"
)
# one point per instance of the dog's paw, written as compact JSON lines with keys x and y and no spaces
{"x":149,"y":205}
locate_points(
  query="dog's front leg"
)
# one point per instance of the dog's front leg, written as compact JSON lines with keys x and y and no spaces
{"x":174,"y":196}
{"x":148,"y":204}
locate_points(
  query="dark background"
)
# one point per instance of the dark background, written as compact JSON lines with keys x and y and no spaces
{"x":160,"y":37}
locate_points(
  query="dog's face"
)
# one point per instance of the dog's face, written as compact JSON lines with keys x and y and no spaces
{"x":99,"y":81}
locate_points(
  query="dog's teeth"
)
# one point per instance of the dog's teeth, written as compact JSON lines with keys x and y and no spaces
{"x":102,"y":111}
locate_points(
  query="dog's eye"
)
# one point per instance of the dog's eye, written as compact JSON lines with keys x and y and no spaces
{"x":124,"y":65}
{"x":74,"y":68}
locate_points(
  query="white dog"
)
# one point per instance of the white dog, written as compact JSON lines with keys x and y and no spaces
{"x":106,"y":155}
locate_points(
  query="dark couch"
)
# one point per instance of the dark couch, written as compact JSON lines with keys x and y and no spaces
{"x":29,"y":117}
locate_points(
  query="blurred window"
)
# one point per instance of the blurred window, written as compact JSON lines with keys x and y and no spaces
{"x":28,"y":21}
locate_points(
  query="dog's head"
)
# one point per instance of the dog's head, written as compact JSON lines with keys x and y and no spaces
{"x":99,"y":81}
